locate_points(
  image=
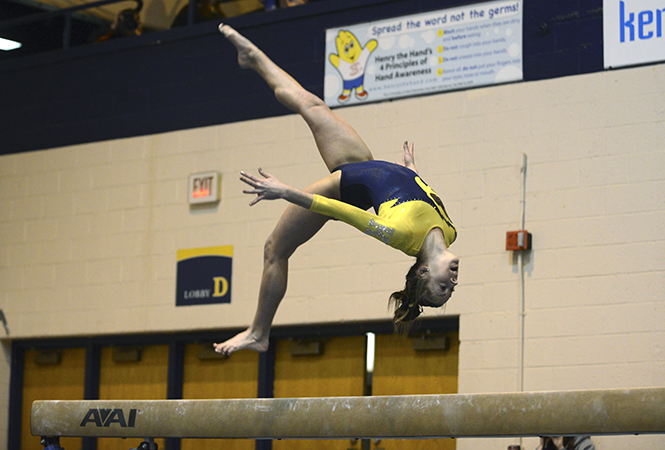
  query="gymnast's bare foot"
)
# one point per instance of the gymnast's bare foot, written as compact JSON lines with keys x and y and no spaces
{"x":247,"y":51}
{"x":242,"y":341}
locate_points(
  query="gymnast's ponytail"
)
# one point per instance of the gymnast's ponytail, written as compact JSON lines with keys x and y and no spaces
{"x":408,"y":303}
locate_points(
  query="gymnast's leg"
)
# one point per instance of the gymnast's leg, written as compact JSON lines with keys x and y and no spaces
{"x":296,"y":226}
{"x":337,"y":142}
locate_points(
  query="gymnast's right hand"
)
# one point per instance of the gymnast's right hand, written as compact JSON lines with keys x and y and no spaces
{"x":408,"y":160}
{"x":266,"y":188}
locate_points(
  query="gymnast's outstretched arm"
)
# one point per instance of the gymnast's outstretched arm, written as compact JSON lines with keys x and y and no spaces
{"x":270,"y":188}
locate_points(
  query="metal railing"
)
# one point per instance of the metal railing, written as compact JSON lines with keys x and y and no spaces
{"x":67,"y":13}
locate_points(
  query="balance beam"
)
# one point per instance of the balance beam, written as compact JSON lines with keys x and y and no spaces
{"x":595,"y":412}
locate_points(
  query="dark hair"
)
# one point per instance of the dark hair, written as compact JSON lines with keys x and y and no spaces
{"x":127,"y":22}
{"x":409,"y":302}
{"x":568,"y":443}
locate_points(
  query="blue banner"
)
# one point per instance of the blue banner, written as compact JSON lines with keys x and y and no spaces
{"x":204,"y":276}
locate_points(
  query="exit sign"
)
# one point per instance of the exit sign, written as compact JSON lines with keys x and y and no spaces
{"x":204,"y":188}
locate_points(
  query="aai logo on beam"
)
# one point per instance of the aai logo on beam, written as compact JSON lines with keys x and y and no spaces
{"x":204,"y":276}
{"x":634,"y":32}
{"x":101,"y":417}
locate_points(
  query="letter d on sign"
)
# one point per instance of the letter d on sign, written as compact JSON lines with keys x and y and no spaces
{"x":221,"y":287}
{"x":206,"y":270}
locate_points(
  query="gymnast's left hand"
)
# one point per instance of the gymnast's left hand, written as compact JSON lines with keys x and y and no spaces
{"x":266,"y":188}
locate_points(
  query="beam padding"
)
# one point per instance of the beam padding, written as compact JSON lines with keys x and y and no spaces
{"x":595,"y":412}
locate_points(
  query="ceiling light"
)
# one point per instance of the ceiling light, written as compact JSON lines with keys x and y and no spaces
{"x":7,"y":44}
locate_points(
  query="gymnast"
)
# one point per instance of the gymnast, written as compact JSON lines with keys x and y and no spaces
{"x":410,"y":217}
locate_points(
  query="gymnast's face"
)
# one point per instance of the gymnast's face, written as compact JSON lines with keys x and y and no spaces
{"x":442,"y":278}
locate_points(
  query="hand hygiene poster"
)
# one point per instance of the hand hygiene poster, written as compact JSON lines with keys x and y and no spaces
{"x":474,"y":45}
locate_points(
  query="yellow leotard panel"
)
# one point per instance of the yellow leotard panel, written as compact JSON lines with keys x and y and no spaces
{"x":403,"y":227}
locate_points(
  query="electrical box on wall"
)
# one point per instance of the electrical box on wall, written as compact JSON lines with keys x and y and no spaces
{"x":518,"y":240}
{"x":204,"y":188}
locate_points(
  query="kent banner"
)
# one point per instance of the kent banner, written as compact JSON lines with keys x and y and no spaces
{"x":633,"y":32}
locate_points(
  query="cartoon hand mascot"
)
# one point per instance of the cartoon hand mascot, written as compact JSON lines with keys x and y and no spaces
{"x":350,"y":62}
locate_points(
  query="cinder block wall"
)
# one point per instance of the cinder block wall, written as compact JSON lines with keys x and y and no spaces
{"x":89,"y":233}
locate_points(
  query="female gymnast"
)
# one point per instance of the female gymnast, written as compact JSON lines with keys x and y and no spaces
{"x":411,"y":217}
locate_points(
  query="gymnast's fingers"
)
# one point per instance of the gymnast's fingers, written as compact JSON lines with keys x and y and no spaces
{"x":250,"y":179}
{"x":408,"y":148}
{"x":258,"y":198}
{"x":264,"y":174}
{"x":247,"y":176}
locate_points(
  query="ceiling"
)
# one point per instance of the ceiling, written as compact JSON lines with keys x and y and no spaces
{"x":46,"y":35}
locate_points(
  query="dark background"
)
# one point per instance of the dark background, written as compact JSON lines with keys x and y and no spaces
{"x":187,"y":77}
